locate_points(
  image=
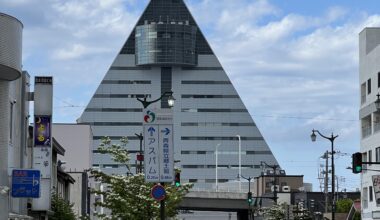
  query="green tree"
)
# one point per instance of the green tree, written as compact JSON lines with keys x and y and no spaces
{"x":128,"y":196}
{"x":343,"y":205}
{"x":275,"y":212}
{"x":61,"y":208}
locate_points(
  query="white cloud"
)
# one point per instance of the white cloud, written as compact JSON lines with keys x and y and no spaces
{"x":77,"y":50}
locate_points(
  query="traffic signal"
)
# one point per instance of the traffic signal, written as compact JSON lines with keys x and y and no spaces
{"x":357,"y":163}
{"x":249,"y":198}
{"x":177,"y":179}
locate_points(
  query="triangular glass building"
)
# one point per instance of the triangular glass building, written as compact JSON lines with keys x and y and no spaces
{"x":167,"y":51}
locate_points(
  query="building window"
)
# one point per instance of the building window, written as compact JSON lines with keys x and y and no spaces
{"x":378,"y":80}
{"x":370,"y":191}
{"x":370,"y":156}
{"x":364,"y":156}
{"x":378,"y":154}
{"x":369,"y":86}
{"x":166,"y":85}
{"x":365,"y":197}
{"x":110,"y":166}
{"x":193,"y":180}
{"x":362,"y":93}
{"x":191,"y":82}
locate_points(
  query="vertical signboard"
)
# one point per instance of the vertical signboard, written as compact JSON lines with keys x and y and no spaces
{"x":166,"y":151}
{"x":151,"y":155}
{"x":42,"y":139}
{"x":376,"y":188}
{"x":42,"y":144}
{"x":42,"y":130}
{"x":158,"y":126}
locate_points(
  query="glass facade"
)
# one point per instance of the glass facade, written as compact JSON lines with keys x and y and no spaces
{"x":165,"y":43}
{"x":167,"y":11}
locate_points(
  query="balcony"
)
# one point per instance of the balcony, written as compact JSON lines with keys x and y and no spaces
{"x":366,"y":131}
{"x":376,"y":127}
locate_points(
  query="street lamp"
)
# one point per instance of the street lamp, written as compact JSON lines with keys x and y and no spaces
{"x":239,"y":162}
{"x":377,"y":102}
{"x":146,"y":103}
{"x":216,"y":167}
{"x":331,"y":139}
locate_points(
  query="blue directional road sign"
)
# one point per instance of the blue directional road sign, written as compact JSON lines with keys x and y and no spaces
{"x":26,"y":183}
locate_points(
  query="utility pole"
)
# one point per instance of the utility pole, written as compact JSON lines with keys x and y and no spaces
{"x":331,"y":139}
{"x":274,"y":167}
{"x":326,"y":190}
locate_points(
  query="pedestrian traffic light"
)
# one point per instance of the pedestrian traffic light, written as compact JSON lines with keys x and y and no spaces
{"x":177,"y":179}
{"x":357,"y":163}
{"x":249,"y":198}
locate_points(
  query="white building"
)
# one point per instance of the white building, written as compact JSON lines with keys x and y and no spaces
{"x":167,"y":51}
{"x":14,"y":111}
{"x":77,"y":140}
{"x":369,"y":65}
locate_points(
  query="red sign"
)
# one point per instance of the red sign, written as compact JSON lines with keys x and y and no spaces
{"x":140,"y":157}
{"x":158,"y":192}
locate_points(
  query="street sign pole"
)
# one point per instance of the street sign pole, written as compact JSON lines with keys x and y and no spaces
{"x":162,"y":206}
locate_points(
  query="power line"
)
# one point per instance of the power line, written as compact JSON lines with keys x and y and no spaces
{"x":69,"y":105}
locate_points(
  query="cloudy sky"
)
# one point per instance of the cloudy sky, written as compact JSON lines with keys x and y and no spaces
{"x":294,"y":63}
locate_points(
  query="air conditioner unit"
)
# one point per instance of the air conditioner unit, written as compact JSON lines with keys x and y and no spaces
{"x":282,"y":172}
{"x":286,"y":188}
{"x":277,"y":188}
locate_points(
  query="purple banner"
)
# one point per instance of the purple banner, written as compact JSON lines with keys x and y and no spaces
{"x":42,"y":129}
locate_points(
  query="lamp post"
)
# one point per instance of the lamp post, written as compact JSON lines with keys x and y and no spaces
{"x":377,"y":102}
{"x":331,"y":139}
{"x":239,"y":162}
{"x":145,"y":104}
{"x":216,"y":167}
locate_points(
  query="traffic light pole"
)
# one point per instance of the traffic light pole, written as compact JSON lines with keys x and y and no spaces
{"x":140,"y":137}
{"x":249,"y":192}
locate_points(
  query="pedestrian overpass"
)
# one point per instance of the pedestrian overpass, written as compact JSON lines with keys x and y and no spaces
{"x":216,"y":201}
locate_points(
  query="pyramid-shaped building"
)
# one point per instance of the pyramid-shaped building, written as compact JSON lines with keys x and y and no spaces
{"x":167,"y":51}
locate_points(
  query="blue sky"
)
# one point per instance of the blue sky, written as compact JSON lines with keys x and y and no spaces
{"x":294,"y":63}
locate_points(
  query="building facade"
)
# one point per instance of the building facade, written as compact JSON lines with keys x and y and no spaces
{"x":369,"y":76}
{"x":167,"y":51}
{"x":77,"y":139}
